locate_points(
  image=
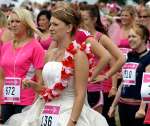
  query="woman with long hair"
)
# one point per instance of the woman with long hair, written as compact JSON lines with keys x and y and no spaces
{"x":21,"y":58}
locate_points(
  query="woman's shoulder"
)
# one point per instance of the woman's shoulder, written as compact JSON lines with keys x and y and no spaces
{"x":6,"y":46}
{"x":81,"y":35}
{"x":8,"y":43}
{"x":101,"y":36}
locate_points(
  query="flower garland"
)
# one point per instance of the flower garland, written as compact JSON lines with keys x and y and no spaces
{"x":67,"y":70}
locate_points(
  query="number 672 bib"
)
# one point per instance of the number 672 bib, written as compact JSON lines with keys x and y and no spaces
{"x":129,"y":73}
{"x":11,"y":90}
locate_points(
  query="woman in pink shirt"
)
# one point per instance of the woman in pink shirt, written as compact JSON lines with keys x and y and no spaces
{"x":21,"y":58}
{"x":43,"y":23}
{"x":120,"y":35}
{"x":127,"y":16}
{"x":92,"y":23}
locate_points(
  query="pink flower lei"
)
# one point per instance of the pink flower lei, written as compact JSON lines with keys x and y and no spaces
{"x":67,"y":70}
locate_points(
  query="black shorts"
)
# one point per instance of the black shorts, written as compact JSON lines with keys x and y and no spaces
{"x":95,"y":98}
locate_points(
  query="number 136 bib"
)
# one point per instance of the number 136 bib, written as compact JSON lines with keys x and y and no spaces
{"x":129,"y":73}
{"x":50,"y":115}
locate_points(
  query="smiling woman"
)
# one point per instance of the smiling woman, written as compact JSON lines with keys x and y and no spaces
{"x":43,"y":23}
{"x":62,"y":100}
{"x":137,"y":63}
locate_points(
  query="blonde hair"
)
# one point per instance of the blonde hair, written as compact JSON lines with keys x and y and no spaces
{"x":3,"y":19}
{"x":62,"y":4}
{"x":26,"y":17}
{"x":131,"y":10}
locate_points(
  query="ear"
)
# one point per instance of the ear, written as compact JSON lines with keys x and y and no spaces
{"x":69,"y":28}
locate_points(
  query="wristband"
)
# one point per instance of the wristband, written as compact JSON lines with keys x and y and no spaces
{"x":114,"y":88}
{"x":73,"y":121}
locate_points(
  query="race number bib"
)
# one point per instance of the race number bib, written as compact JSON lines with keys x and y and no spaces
{"x":50,"y":115}
{"x":125,"y":51}
{"x":145,"y":89}
{"x":129,"y":73}
{"x":11,"y":90}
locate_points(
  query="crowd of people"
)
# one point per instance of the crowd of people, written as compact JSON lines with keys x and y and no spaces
{"x":73,"y":64}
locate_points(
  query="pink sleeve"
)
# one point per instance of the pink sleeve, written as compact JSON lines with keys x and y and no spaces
{"x":38,"y":56}
{"x":3,"y":47}
{"x":81,"y":35}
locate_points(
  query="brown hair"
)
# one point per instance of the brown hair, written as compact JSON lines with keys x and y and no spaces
{"x":142,"y":31}
{"x":94,"y":12}
{"x":68,"y":15}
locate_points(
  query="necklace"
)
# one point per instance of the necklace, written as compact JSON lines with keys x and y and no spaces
{"x":67,"y":70}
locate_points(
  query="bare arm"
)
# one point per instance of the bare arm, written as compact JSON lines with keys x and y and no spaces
{"x":36,"y":85}
{"x":1,"y":81}
{"x":113,"y":90}
{"x":115,"y":102}
{"x":81,"y":77}
{"x":141,"y":112}
{"x":115,"y":52}
{"x":103,"y":55}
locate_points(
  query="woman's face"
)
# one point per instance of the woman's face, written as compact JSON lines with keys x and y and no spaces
{"x":43,"y":22}
{"x":135,"y":40}
{"x":126,"y":18}
{"x":87,"y":20}
{"x":16,"y":25}
{"x":58,"y":29}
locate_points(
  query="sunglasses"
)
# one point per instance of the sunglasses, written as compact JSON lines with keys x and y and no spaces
{"x":144,"y":16}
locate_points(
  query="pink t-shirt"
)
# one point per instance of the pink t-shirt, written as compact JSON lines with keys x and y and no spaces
{"x":114,"y":32}
{"x":45,"y":43}
{"x":123,"y":43}
{"x":22,"y":62}
{"x":106,"y":85}
{"x":120,"y":41}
